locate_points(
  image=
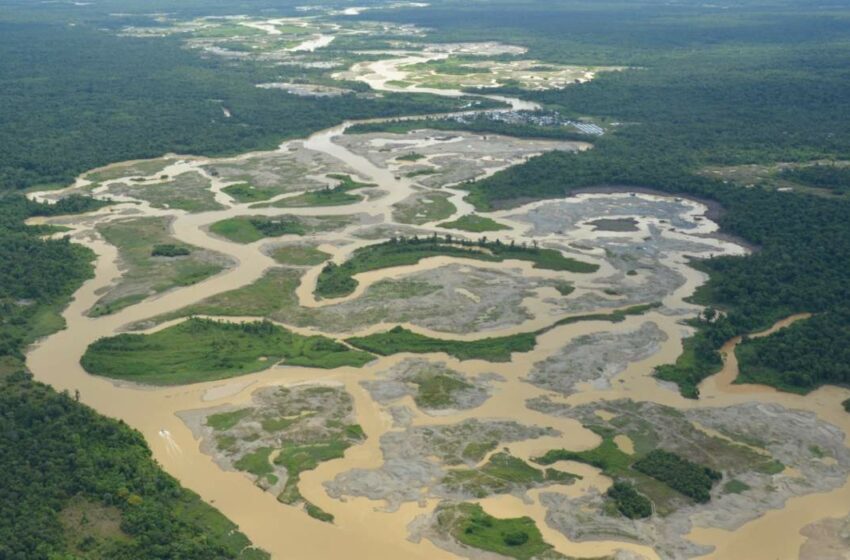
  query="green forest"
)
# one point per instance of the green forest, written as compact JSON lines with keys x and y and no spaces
{"x":800,"y":357}
{"x":76,"y":484}
{"x":758,"y":84}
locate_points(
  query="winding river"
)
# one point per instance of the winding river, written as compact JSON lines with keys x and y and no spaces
{"x":361,"y":529}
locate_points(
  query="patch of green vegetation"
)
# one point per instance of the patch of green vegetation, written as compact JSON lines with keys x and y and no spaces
{"x":503,"y":473}
{"x":115,"y":510}
{"x":565,"y":288}
{"x":687,"y":477}
{"x":202,"y":350}
{"x":248,"y":230}
{"x":629,"y":501}
{"x":826,"y":176}
{"x":657,"y":475}
{"x":735,"y":486}
{"x":412,"y":156}
{"x":339,"y":195}
{"x":226,"y":420}
{"x":424,"y":208}
{"x":475,"y":451}
{"x":170,"y":250}
{"x":771,"y":467}
{"x":516,"y":537}
{"x":316,"y":512}
{"x":846,"y":404}
{"x":243,"y":192}
{"x":800,"y":357}
{"x":142,"y":243}
{"x":399,"y":339}
{"x":474,"y":223}
{"x":423,"y":172}
{"x":699,"y":358}
{"x":299,"y":255}
{"x":607,"y":456}
{"x":436,"y":390}
{"x":299,"y":457}
{"x":495,"y":349}
{"x":272,"y":293}
{"x":336,"y":280}
{"x":616,"y":316}
{"x":256,"y":462}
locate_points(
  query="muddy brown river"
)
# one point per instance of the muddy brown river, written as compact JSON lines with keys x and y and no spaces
{"x":361,"y":528}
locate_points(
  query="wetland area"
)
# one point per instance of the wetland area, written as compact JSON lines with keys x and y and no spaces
{"x":332,"y":346}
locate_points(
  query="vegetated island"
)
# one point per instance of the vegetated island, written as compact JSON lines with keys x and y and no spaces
{"x":199,"y":350}
{"x":337,"y":280}
{"x":493,"y":349}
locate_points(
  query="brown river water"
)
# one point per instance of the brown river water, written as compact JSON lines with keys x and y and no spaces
{"x":360,"y":528}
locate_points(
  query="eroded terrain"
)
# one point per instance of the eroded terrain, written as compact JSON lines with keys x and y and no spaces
{"x":388,"y":456}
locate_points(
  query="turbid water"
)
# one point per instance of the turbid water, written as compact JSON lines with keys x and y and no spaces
{"x":361,"y":529}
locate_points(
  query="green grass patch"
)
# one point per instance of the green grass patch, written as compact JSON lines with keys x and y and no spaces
{"x":329,"y":196}
{"x":607,"y":457}
{"x":203,"y":350}
{"x":399,"y":339}
{"x":248,"y":230}
{"x":243,"y":192}
{"x":316,"y":512}
{"x":470,"y":525}
{"x":501,"y":474}
{"x":564,"y":288}
{"x":474,"y":223}
{"x":299,"y":255}
{"x":412,"y":156}
{"x":337,"y":280}
{"x":226,"y":420}
{"x":493,"y":349}
{"x":735,"y":486}
{"x":437,"y":390}
{"x":256,"y":463}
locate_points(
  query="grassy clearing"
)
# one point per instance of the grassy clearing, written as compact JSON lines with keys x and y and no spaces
{"x":423,"y":208}
{"x":399,"y":339}
{"x":474,"y":223}
{"x":516,"y":537}
{"x":199,"y":350}
{"x":337,"y":280}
